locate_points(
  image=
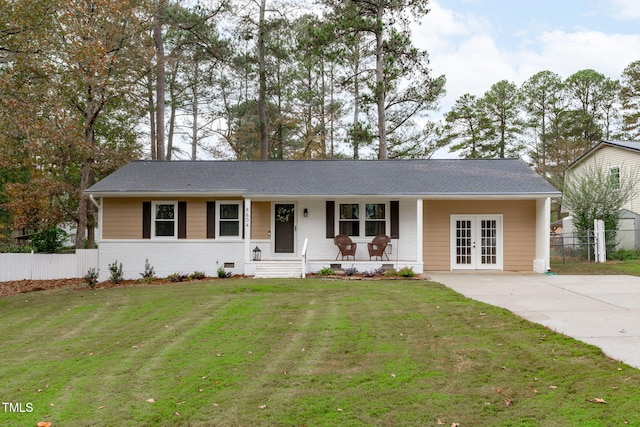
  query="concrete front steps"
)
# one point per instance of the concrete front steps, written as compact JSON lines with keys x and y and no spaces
{"x":278,"y":269}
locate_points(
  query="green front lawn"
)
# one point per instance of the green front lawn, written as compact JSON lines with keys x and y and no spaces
{"x":297,"y":352}
{"x":610,"y":267}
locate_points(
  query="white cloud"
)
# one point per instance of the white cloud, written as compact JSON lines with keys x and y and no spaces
{"x":625,"y":9}
{"x":466,"y":49}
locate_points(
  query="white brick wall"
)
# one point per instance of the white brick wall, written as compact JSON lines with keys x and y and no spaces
{"x":170,"y":257}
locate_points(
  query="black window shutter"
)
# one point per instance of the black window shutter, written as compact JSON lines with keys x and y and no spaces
{"x":146,"y":220}
{"x":331,"y":216}
{"x":211,"y":220}
{"x":182,"y":220}
{"x":394,"y":207}
{"x":241,"y":215}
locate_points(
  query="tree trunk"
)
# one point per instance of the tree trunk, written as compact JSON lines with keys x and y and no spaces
{"x":87,"y":173}
{"x":194,"y":127}
{"x":262,"y":91}
{"x":152,"y":120}
{"x":381,"y":88}
{"x":160,"y":77}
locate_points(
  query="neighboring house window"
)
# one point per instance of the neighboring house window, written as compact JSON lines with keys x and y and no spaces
{"x":165,"y":215}
{"x":229,"y":219}
{"x":614,"y":176}
{"x":374,"y":221}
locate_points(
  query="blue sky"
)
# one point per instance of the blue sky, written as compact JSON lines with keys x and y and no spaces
{"x":477,"y":43}
{"x":515,"y":22}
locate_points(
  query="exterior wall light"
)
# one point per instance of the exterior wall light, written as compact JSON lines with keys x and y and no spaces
{"x":257,"y":254}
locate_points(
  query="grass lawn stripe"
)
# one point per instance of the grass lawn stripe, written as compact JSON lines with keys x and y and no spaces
{"x":297,"y":352}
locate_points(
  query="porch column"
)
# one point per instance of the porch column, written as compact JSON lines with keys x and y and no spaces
{"x":543,"y":240}
{"x":247,"y":230}
{"x":420,"y":237}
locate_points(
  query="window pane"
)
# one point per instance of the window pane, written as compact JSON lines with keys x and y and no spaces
{"x":614,"y":176}
{"x":165,"y":228}
{"x":229,"y":211}
{"x":349,"y":211}
{"x":165,"y":211}
{"x":229,"y":228}
{"x":373,"y":228}
{"x":375,"y":211}
{"x":350,"y":228}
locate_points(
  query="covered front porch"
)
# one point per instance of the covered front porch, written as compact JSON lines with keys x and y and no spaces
{"x":294,"y":237}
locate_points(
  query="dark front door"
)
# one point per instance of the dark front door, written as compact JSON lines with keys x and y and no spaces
{"x":284,"y":228}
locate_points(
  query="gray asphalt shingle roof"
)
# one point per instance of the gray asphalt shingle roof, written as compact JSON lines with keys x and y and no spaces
{"x":628,"y":145}
{"x":328,"y":177}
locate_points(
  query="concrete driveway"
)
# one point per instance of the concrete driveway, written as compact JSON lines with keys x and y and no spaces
{"x":599,"y":310}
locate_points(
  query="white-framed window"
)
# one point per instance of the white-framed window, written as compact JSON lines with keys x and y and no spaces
{"x":165,"y":220}
{"x":614,"y":176}
{"x":349,"y":219}
{"x":352,"y":223}
{"x":229,"y":219}
{"x":375,"y":219}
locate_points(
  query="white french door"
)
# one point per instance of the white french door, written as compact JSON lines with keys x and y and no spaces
{"x":476,"y":242}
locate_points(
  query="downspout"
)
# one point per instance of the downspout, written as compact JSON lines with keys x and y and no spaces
{"x":93,"y":200}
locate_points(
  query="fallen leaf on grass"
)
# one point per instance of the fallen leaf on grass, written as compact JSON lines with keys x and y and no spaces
{"x":178,"y":414}
{"x":440,"y":422}
{"x":598,"y":400}
{"x":262,"y":406}
{"x":339,"y":409}
{"x":507,"y":402}
{"x":44,"y":424}
{"x":101,"y":407}
{"x":553,"y":387}
{"x":151,"y":400}
{"x":455,"y":424}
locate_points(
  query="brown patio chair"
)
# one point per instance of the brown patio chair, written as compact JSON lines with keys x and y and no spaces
{"x":346,"y":247}
{"x":378,"y":246}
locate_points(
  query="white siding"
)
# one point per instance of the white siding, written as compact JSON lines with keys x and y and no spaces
{"x":320,"y":248}
{"x":608,"y":157}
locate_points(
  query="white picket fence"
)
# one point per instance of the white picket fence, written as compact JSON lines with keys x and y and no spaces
{"x":47,"y":266}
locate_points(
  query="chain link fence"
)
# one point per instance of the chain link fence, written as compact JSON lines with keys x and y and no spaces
{"x":580,"y":246}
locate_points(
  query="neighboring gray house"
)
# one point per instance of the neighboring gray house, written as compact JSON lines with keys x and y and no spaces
{"x":439,"y":214}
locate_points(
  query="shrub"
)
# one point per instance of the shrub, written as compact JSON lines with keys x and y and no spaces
{"x":16,"y":249}
{"x":49,"y":241}
{"x":406,"y":272}
{"x":392,"y":272}
{"x":625,"y":255}
{"x":351,"y":271}
{"x":373,"y":273}
{"x":326,"y":271}
{"x":177,"y":277}
{"x":149,"y":272}
{"x":116,"y":272}
{"x":223,"y":274}
{"x":197,"y":275}
{"x":91,"y":277}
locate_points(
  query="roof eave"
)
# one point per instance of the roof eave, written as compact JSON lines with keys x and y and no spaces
{"x":166,"y":193}
{"x":243,"y":194}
